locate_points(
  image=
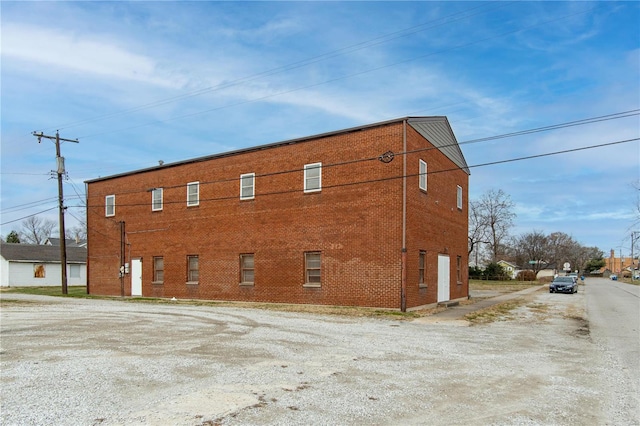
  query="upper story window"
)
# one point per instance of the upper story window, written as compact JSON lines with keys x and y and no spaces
{"x":247,"y":186}
{"x":156,"y":199}
{"x":110,"y":205}
{"x":459,"y":197}
{"x":193,"y":193}
{"x":423,"y":175}
{"x":313,"y":177}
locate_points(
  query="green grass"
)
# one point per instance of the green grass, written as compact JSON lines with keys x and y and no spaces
{"x":72,"y":291}
{"x":628,"y":281}
{"x":506,"y":286}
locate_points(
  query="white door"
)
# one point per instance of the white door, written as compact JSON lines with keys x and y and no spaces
{"x":136,"y":277}
{"x":443,"y":278}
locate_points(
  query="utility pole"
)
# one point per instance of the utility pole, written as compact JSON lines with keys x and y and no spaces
{"x":633,"y":261}
{"x":60,"y":172}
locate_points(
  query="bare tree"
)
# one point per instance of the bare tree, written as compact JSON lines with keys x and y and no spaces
{"x":495,"y":213}
{"x":78,"y":232}
{"x":560,"y":248}
{"x":36,"y":230}
{"x":532,"y":248}
{"x":477,"y":231}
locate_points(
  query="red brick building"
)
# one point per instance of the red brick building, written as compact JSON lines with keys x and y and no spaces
{"x":369,"y":216}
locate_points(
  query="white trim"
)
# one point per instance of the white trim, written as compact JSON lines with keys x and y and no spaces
{"x":459,"y":197}
{"x":252,"y":179}
{"x":197,"y":186}
{"x":313,"y":166}
{"x":113,"y":205}
{"x":153,"y":199}
{"x":422,"y":183}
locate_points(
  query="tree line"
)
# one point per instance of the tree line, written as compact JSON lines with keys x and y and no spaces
{"x":491,"y":217}
{"x":36,"y":230}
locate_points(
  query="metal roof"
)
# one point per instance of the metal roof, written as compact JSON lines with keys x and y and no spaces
{"x":41,"y":253}
{"x":70,"y":242}
{"x":436,"y":129}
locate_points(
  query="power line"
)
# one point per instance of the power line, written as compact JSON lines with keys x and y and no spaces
{"x":25,"y":217}
{"x":590,"y":120}
{"x":333,"y":80}
{"x":299,"y":64}
{"x":29,"y":205}
{"x":289,"y":191}
{"x":613,"y":116}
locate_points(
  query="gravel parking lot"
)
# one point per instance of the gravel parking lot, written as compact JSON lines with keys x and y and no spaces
{"x":108,"y":362}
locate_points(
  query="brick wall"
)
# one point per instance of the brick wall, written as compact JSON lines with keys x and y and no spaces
{"x":355,"y":222}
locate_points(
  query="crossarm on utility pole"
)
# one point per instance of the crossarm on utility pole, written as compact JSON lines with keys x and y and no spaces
{"x":60,"y":171}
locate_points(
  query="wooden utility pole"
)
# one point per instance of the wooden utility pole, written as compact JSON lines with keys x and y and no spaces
{"x":60,"y":172}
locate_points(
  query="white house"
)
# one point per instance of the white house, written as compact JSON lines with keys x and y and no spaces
{"x":32,"y":265}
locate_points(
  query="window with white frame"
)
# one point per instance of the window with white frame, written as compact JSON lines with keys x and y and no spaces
{"x":247,"y":186}
{"x":247,"y":269}
{"x":193,"y":193}
{"x":459,"y":197}
{"x":110,"y":205}
{"x":423,"y":175}
{"x":313,"y":177}
{"x":156,"y":199}
{"x":312,"y":266}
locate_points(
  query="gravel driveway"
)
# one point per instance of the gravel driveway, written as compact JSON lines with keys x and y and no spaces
{"x":105,"y":362}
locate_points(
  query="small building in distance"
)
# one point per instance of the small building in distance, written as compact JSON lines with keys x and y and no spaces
{"x":372,"y":216}
{"x":38,"y":265}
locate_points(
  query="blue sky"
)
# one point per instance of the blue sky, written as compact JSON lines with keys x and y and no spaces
{"x":139,"y":82}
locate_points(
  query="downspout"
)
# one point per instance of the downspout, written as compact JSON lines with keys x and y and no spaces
{"x":86,"y":221}
{"x":403,"y":285}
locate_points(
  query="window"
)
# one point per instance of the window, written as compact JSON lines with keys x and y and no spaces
{"x":192,"y":269}
{"x":423,"y":175}
{"x":459,"y":269}
{"x":312,"y":177}
{"x":312,"y":263}
{"x":421,"y":268}
{"x":156,"y":199}
{"x":110,"y":205}
{"x":193,"y":193}
{"x":247,"y":272}
{"x":74,"y":271}
{"x":158,"y":269}
{"x":247,"y":186}
{"x":459,"y":197}
{"x":38,"y":270}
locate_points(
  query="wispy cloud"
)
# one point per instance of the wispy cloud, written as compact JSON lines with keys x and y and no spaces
{"x":80,"y":54}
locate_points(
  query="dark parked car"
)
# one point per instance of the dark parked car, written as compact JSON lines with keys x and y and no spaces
{"x":563,"y":285}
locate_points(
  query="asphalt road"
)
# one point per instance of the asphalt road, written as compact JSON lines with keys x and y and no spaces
{"x":613,"y":309}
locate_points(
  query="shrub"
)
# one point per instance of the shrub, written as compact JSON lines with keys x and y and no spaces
{"x":526,"y":276}
{"x":494,"y":271}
